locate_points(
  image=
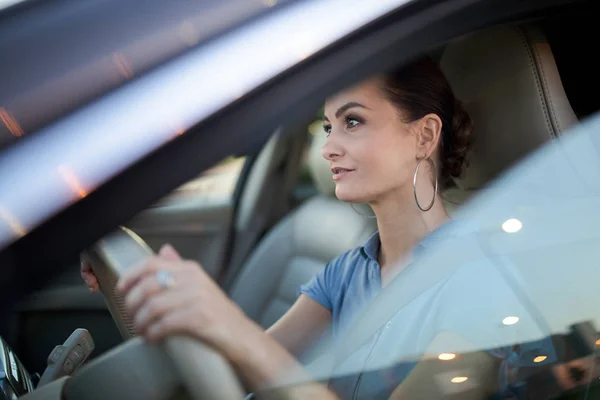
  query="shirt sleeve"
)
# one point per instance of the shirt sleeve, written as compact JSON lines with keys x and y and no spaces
{"x":319,"y":288}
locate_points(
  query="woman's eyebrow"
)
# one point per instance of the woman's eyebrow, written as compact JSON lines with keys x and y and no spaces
{"x":348,"y":106}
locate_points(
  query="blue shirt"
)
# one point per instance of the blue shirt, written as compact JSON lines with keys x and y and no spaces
{"x":349,"y":282}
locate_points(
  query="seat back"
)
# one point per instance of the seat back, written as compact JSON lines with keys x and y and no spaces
{"x":508,"y":81}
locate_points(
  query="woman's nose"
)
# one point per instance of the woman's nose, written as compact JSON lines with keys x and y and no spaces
{"x":331,"y":150}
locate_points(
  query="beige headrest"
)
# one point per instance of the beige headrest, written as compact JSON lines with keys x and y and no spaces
{"x":508,"y":80}
{"x":319,"y":167}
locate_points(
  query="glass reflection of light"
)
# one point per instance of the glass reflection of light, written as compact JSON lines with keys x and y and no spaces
{"x":10,"y":122}
{"x":447,"y":356}
{"x":539,"y":359}
{"x":12,"y":222}
{"x":69,"y":177}
{"x":510,"y":320}
{"x":459,"y":379}
{"x":122,"y":65}
{"x":512,"y":225}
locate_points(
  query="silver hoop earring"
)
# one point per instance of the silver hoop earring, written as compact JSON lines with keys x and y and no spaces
{"x":361,"y":214}
{"x":435,"y":188}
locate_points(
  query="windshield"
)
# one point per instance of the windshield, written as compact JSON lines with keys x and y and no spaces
{"x":515,"y":277}
{"x":63,"y":55}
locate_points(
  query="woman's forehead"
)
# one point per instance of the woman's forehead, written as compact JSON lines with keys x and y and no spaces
{"x":366,"y":92}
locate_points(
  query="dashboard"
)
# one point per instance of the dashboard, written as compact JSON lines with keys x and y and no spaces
{"x":15,"y":381}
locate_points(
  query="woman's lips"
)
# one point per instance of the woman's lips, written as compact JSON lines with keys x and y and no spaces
{"x":341,"y":173}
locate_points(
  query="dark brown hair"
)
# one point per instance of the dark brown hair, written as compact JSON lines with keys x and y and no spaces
{"x":420,"y":88}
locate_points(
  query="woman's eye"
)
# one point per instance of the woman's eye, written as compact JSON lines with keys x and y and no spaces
{"x":327,"y":129}
{"x":352,"y":122}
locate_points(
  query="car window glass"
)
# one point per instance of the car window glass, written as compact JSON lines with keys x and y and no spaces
{"x":505,"y":295}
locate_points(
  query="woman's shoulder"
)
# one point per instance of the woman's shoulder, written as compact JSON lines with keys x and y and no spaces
{"x":355,"y":258}
{"x":329,"y":285}
{"x":353,"y":254}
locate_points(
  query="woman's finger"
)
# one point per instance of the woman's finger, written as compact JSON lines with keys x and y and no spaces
{"x":161,"y":304}
{"x":169,"y":253}
{"x":85,"y":267}
{"x":167,"y":258}
{"x":149,"y":266}
{"x":92,"y":283}
{"x":149,"y":286}
{"x":133,"y":275}
{"x":89,"y":278}
{"x":145,"y":288}
{"x":180,"y":321}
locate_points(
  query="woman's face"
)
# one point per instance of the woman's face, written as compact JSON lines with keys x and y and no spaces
{"x":372,"y":152}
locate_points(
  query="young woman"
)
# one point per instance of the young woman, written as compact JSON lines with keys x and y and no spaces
{"x":393,"y":141}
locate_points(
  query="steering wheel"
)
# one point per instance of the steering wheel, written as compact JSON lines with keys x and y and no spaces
{"x":153,"y":371}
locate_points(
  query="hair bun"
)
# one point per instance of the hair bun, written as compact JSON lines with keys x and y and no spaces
{"x":420,"y":88}
{"x":455,"y":160}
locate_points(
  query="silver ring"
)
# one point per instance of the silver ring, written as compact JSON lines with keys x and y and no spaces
{"x":165,"y":280}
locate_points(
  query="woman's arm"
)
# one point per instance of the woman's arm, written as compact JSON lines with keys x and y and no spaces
{"x":301,"y":325}
{"x":271,"y":371}
{"x":195,"y":305}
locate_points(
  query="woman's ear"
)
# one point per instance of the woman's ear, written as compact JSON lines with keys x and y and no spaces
{"x":429,"y":134}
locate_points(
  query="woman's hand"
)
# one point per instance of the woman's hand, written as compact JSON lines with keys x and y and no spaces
{"x":89,"y":278}
{"x":170,"y":296}
{"x":167,"y":295}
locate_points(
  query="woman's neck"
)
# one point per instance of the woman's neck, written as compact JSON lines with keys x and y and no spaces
{"x":402,"y":225}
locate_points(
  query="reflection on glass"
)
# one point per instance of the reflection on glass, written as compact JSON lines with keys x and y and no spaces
{"x":512,"y":225}
{"x":12,"y":221}
{"x":69,"y":177}
{"x":10,"y":122}
{"x":510,"y":320}
{"x":447,"y":356}
{"x":123,"y":65}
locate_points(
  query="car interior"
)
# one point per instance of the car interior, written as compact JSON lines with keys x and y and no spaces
{"x":278,"y":223}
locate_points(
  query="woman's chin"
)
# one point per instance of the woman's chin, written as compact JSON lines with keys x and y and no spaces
{"x":349,"y":196}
